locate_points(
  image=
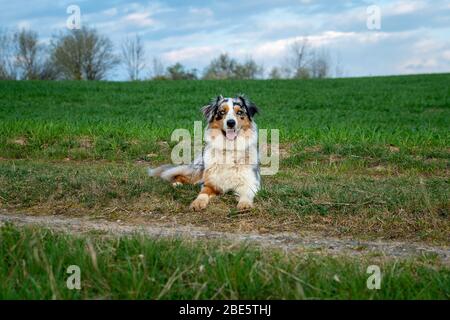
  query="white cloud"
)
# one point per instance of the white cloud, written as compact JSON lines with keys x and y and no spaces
{"x":24,"y":24}
{"x":271,"y":51}
{"x":110,"y":12}
{"x":206,"y":12}
{"x":189,"y":54}
{"x":427,"y":55}
{"x":126,"y":18}
{"x":404,"y":7}
{"x":446,"y":55}
{"x":139,"y":19}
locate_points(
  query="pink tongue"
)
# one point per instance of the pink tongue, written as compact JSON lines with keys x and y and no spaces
{"x":231,"y":134}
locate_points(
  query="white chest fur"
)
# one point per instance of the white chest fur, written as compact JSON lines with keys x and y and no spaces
{"x":231,"y":165}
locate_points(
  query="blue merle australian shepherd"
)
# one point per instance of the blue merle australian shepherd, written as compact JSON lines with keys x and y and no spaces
{"x":229,"y":161}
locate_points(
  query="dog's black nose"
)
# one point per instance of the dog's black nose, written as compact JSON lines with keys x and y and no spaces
{"x":231,"y":123}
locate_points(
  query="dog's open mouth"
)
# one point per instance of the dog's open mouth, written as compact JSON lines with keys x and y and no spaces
{"x":230,"y":134}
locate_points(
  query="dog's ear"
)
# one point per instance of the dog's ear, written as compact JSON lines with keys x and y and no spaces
{"x":210,"y":110}
{"x":251,"y":108}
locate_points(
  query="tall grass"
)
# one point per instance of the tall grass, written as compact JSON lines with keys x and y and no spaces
{"x":34,"y":266}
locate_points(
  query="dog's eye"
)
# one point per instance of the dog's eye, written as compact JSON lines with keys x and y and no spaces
{"x":239,"y":113}
{"x":221,"y":112}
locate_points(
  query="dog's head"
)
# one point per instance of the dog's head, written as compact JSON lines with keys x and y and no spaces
{"x":230,"y":115}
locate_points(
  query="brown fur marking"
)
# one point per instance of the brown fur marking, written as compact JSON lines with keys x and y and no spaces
{"x":217,"y":122}
{"x":182,"y":179}
{"x":243,"y":118}
{"x":210,"y":191}
{"x":189,"y":179}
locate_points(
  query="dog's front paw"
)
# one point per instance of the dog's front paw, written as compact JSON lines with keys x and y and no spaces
{"x":244,"y":205}
{"x":199,"y":204}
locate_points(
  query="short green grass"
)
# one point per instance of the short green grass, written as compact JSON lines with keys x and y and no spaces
{"x":34,"y":266}
{"x":100,"y":120}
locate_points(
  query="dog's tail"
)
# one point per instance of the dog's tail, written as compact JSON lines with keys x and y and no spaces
{"x":184,"y":174}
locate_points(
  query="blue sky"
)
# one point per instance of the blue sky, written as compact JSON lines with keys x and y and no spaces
{"x":414,"y":35}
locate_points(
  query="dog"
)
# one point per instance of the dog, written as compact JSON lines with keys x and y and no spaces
{"x":229,"y":161}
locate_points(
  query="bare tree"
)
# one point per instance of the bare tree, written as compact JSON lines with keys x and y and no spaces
{"x":29,"y":54}
{"x":248,"y":70}
{"x":7,"y":68}
{"x":48,"y":71}
{"x":83,"y":54}
{"x":178,"y":72}
{"x":298,"y":57}
{"x":275,"y":73}
{"x":305,"y":62}
{"x":23,"y":57}
{"x":320,"y":64}
{"x":339,"y":70}
{"x":133,"y":55}
{"x":225,"y":67}
{"x":157,"y":70}
{"x":222,"y":67}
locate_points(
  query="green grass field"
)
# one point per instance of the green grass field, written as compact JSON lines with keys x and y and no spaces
{"x":122,"y":121}
{"x":363,"y":158}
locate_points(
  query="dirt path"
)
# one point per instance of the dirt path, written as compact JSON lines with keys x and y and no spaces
{"x":286,"y":241}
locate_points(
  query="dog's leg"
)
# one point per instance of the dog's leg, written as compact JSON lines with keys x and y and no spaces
{"x":180,"y":180}
{"x":246,"y":195}
{"x":202,"y":200}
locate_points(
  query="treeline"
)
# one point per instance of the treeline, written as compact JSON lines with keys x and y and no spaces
{"x":85,"y":54}
{"x":77,"y":55}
